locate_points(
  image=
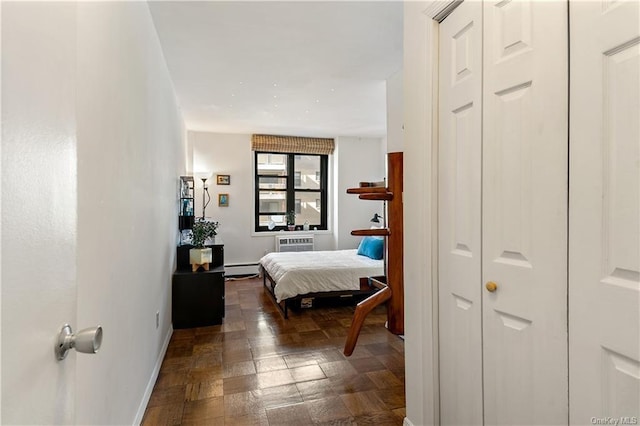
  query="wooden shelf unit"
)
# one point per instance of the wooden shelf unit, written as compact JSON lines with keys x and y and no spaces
{"x":381,"y":232}
{"x":393,"y":233}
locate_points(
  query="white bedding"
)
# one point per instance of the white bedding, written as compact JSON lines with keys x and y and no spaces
{"x":317,"y":271}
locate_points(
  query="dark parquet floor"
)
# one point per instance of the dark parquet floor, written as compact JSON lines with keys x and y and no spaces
{"x":259,"y":369}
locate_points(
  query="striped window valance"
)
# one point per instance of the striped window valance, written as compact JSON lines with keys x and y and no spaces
{"x":292,"y":144}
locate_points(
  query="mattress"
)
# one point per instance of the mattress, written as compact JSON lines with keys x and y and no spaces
{"x":297,"y":273}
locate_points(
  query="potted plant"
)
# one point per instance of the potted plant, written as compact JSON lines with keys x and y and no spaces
{"x":291,"y":220}
{"x":200,"y":255}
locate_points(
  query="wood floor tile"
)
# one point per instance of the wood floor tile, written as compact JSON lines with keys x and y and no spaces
{"x":306,"y":325}
{"x":400,"y":412}
{"x":335,"y":331}
{"x":167,"y":396}
{"x":307,"y":373}
{"x":256,"y":419}
{"x":171,"y":378}
{"x":316,"y":389}
{"x":242,"y":404}
{"x":360,"y":351}
{"x":239,"y":384}
{"x":234,"y":335}
{"x":203,"y":390}
{"x":270,"y":364}
{"x":206,"y":338}
{"x":329,"y":355}
{"x":236,"y":345}
{"x":257,"y":328}
{"x":233,"y":326}
{"x":384,"y":418}
{"x":197,"y":375}
{"x":392,"y":397}
{"x":179,"y":351}
{"x":177,"y":364}
{"x":384,"y":379}
{"x":364,"y":365}
{"x":274,"y":378}
{"x":290,"y":415}
{"x":328,"y":409}
{"x":238,"y":369}
{"x":362,"y":403}
{"x":204,"y":411}
{"x":352,"y":384}
{"x":265,"y":351}
{"x":165,"y":415}
{"x":381,"y":349}
{"x":237,"y":356}
{"x":208,"y":360}
{"x":259,"y":369}
{"x":338,"y":368}
{"x":300,"y":360}
{"x":207,"y":349}
{"x":281,"y":396}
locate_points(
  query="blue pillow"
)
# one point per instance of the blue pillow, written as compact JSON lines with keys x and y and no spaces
{"x":371,"y":247}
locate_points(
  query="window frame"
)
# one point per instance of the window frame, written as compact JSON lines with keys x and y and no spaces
{"x":290,"y":191}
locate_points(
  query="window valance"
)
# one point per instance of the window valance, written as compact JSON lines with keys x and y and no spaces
{"x":295,"y":144}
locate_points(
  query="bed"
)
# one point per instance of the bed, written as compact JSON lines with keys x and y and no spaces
{"x":292,"y":276}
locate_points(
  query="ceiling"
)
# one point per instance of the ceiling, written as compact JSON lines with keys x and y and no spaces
{"x":291,"y":68}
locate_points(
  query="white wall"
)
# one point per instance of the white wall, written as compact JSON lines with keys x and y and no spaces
{"x":419,"y":270}
{"x":358,"y":160}
{"x":39,"y":209}
{"x":130,"y":155}
{"x":355,"y":160}
{"x":395,"y":113}
{"x":92,"y":150}
{"x":229,"y":155}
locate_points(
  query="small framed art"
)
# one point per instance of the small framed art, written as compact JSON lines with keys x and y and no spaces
{"x":223,"y":200}
{"x":223,"y":179}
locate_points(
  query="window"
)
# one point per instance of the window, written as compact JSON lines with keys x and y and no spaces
{"x":286,"y":182}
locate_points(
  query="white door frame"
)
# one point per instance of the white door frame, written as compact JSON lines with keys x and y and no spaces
{"x":420,"y":206}
{"x":437,"y":11}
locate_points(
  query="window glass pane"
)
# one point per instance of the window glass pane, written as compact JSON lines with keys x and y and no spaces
{"x":308,"y":166}
{"x":272,"y":164}
{"x":273,"y":202}
{"x":278,"y":191}
{"x":278,"y":220}
{"x":272,"y":182}
{"x":308,"y":210}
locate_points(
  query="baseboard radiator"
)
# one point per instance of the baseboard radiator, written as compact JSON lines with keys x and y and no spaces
{"x":289,"y":243}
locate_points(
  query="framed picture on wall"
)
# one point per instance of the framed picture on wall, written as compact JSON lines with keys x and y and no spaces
{"x":223,"y":200}
{"x":224,"y":179}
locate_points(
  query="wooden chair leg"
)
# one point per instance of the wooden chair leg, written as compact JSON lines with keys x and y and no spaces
{"x":362,"y":310}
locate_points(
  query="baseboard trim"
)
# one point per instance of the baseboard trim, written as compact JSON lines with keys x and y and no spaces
{"x":406,"y":422}
{"x":152,"y":380}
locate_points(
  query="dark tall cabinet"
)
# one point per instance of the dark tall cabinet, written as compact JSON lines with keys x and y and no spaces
{"x":198,"y":297}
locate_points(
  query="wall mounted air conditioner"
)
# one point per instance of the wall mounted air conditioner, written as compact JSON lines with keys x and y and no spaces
{"x":294,"y":243}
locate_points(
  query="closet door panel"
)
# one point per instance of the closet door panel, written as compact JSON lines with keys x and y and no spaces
{"x":459,"y":214}
{"x":524,"y":213}
{"x":604,"y":251}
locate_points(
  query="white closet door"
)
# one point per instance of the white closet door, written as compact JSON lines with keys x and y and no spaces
{"x":604,"y":252}
{"x":525,"y":155}
{"x":460,"y":150}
